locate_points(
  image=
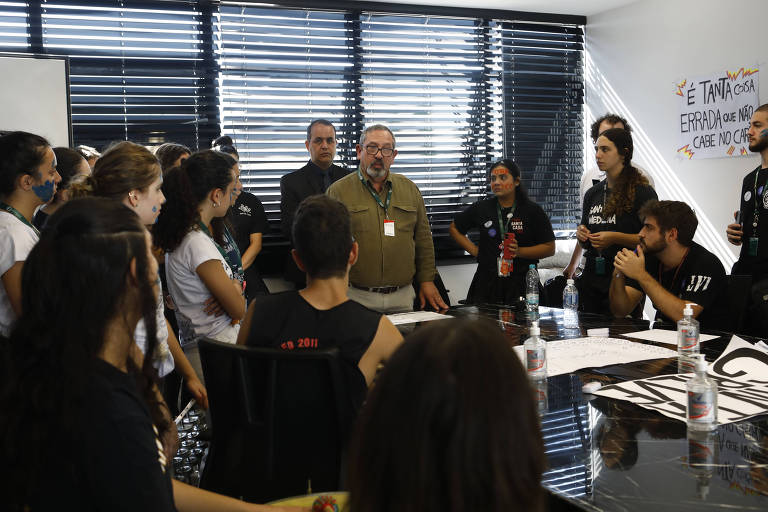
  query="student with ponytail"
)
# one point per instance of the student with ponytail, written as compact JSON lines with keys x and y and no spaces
{"x":129,"y":174}
{"x":190,"y":229}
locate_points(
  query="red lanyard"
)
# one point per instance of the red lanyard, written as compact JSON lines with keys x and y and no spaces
{"x":676,"y":271}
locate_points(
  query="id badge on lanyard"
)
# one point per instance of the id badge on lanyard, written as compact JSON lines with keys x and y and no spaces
{"x":600,"y":266}
{"x":389,"y":227}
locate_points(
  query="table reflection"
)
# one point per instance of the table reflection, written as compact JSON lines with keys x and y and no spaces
{"x":612,"y":455}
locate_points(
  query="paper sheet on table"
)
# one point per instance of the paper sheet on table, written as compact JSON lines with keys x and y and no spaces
{"x":416,"y":316}
{"x":740,"y":373}
{"x":662,"y":336}
{"x":566,"y":356}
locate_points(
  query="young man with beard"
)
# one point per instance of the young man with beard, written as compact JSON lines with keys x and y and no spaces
{"x":670,"y":268}
{"x":752,"y":228}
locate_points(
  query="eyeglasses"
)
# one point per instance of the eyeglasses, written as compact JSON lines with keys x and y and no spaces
{"x":372,"y":150}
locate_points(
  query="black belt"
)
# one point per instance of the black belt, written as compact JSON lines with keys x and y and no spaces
{"x":378,"y":289}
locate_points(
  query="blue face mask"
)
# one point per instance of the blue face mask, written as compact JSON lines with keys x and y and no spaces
{"x":45,"y":191}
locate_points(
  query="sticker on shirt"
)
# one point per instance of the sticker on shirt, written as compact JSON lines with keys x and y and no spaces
{"x":488,"y":224}
{"x":491,"y":232}
{"x":516,"y":225}
{"x":747,"y":195}
{"x":389,"y":228}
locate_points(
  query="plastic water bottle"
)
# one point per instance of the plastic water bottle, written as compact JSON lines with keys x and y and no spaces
{"x":688,"y":333}
{"x":570,"y":305}
{"x":532,"y":289}
{"x":535,"y":354}
{"x":701,"y":410}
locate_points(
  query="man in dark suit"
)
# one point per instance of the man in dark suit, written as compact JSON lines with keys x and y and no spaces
{"x":313,"y":178}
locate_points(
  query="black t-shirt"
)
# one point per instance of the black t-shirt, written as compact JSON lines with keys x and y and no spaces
{"x":528,"y":221}
{"x":247,"y":217}
{"x":287,"y":321}
{"x":117,"y":462}
{"x":628,"y":222}
{"x":754,"y":198}
{"x":700,"y":279}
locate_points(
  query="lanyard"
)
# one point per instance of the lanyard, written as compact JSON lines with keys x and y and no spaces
{"x":756,"y":215}
{"x":236,"y":265}
{"x":13,"y":211}
{"x":674,"y":277}
{"x":373,"y":193}
{"x":502,"y":226}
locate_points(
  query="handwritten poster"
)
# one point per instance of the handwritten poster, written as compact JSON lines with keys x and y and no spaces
{"x":741,"y":373}
{"x":566,"y":356}
{"x":714,"y":113}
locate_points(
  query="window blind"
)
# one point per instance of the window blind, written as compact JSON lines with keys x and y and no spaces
{"x":280,"y":69}
{"x":460,"y":88}
{"x":14,"y":33}
{"x":459,"y":92}
{"x":138,"y":70}
{"x":543,"y":112}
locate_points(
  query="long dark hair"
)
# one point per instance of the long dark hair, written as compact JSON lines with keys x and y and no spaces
{"x":22,"y":153}
{"x":450,"y":426}
{"x":68,"y":163}
{"x":521,"y":195}
{"x":185,"y":187}
{"x":74,"y":286}
{"x":623,"y":195}
{"x":169,"y":152}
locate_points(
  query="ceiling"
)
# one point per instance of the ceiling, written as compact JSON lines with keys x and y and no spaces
{"x":578,"y":7}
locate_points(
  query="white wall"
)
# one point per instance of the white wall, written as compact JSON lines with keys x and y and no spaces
{"x":637,"y":53}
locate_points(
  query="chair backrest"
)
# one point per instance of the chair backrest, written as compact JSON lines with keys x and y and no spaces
{"x":277,"y":421}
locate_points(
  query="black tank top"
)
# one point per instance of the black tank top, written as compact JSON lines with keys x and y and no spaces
{"x":287,"y":321}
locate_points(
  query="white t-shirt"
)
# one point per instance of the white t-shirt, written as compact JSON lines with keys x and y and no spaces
{"x":188,"y":291}
{"x":163,"y":359}
{"x":16,"y":241}
{"x":593,"y":175}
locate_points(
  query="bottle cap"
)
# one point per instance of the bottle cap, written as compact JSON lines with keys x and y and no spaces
{"x":688,"y":310}
{"x":534,"y":330}
{"x":569,"y":282}
{"x":701,"y":363}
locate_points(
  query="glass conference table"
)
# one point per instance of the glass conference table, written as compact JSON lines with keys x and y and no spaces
{"x":611,"y":455}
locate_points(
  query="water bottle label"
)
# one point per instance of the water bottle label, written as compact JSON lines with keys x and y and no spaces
{"x":701,"y":407}
{"x":532,"y":299}
{"x":534,"y":359}
{"x":688,"y":339}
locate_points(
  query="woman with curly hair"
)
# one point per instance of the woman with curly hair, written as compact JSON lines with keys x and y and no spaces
{"x":609,"y":218}
{"x":190,"y":229}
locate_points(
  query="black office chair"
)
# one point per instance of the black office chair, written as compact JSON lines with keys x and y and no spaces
{"x":277,"y":419}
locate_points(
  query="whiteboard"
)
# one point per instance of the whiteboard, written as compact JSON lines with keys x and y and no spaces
{"x":34,"y":96}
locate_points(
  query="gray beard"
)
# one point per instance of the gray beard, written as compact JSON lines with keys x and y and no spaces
{"x":375,"y":174}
